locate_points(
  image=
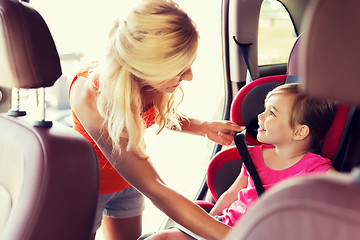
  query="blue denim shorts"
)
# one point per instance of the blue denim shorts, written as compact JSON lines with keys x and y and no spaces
{"x":126,"y":203}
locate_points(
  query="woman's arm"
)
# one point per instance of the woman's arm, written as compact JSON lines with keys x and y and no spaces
{"x":141,"y":174}
{"x":230,"y":195}
{"x":221,"y":132}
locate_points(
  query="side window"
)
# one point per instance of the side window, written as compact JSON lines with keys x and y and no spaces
{"x":276,"y":33}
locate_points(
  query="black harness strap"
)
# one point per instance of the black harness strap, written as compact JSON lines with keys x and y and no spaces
{"x":240,"y":142}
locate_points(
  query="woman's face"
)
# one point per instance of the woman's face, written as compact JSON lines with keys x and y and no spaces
{"x":169,"y":86}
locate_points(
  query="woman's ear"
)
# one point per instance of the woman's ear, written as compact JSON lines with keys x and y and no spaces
{"x":301,"y":132}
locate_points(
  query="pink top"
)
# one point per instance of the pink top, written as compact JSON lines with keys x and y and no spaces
{"x":309,"y":163}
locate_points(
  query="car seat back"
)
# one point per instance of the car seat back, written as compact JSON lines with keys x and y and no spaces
{"x":329,"y":62}
{"x":48,"y":172}
{"x":312,"y":207}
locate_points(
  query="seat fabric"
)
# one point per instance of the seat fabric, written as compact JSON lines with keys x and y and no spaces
{"x":49,"y":181}
{"x":304,"y":208}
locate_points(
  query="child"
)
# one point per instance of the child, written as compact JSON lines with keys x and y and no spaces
{"x":294,"y":124}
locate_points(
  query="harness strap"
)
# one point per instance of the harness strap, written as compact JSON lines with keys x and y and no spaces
{"x":240,"y":142}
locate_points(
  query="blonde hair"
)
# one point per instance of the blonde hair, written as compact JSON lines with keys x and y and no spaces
{"x":316,"y":113}
{"x":155,"y":43}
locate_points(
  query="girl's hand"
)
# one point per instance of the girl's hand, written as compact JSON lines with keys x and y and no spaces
{"x":222,"y":132}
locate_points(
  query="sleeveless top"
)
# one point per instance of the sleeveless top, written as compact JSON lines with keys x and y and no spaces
{"x":110,"y":179}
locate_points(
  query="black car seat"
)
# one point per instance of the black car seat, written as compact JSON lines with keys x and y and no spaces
{"x":247,"y":104}
{"x":48,"y":172}
{"x":225,"y":165}
{"x":322,"y":207}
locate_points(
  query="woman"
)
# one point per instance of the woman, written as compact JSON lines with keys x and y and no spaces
{"x":114,"y":100}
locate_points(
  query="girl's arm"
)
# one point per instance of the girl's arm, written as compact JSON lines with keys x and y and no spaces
{"x":221,"y":132}
{"x":141,"y":174}
{"x":230,"y":195}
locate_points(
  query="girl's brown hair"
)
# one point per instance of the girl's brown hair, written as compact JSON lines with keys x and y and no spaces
{"x":317,"y":113}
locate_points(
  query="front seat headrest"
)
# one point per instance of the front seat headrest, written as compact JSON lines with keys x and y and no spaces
{"x":329,"y":62}
{"x":28,"y":58}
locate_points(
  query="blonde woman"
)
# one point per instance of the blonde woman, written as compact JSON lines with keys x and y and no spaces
{"x":116,"y":99}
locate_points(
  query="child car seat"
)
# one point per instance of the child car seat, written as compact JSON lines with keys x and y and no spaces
{"x":247,"y":104}
{"x":225,"y":165}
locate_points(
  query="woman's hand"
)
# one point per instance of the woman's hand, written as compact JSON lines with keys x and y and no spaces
{"x":221,"y":132}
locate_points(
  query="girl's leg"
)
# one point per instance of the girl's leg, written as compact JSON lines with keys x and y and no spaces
{"x":121,"y":229}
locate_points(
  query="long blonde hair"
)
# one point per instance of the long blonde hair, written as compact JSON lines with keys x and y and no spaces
{"x":155,"y":42}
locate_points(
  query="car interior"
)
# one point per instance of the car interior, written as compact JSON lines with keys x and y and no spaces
{"x":41,"y":159}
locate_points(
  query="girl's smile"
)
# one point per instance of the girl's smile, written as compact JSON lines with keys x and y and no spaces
{"x":274,"y":122}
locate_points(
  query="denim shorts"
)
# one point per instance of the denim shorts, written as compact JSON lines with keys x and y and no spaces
{"x":126,"y":203}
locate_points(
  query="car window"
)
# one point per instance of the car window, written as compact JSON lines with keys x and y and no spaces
{"x":276,"y":33}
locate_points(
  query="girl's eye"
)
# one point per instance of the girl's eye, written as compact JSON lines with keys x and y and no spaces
{"x":272,"y":114}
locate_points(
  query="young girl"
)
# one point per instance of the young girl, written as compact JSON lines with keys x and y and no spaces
{"x":294,"y":124}
{"x":116,"y":99}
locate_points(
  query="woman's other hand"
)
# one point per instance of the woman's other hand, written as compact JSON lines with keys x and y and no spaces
{"x":221,"y":132}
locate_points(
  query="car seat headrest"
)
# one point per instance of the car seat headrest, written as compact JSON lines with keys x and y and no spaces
{"x":334,"y":135}
{"x":28,"y":58}
{"x":293,"y":62}
{"x":330,"y":57}
{"x":249,"y":103}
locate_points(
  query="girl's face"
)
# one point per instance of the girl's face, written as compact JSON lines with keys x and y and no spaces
{"x":274,"y":125}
